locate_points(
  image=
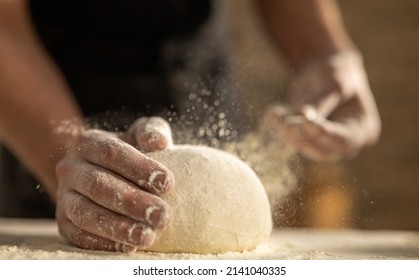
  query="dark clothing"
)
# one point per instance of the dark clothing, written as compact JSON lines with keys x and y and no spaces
{"x":20,"y":193}
{"x":111,"y":53}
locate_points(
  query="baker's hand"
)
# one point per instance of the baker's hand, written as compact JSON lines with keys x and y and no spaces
{"x":108,"y":193}
{"x":332,"y":113}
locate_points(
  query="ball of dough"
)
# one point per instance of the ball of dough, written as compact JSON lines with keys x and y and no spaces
{"x":219,"y":204}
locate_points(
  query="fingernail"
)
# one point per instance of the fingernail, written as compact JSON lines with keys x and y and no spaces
{"x":158,"y":216}
{"x":161,"y":181}
{"x":147,"y":237}
{"x":141,"y":235}
{"x":311,"y":114}
{"x":152,"y":134}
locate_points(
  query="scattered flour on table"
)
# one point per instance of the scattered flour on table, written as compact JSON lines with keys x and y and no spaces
{"x":39,"y":239}
{"x":61,"y":250}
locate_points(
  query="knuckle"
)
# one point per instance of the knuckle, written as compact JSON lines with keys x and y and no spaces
{"x":94,"y":183}
{"x":94,"y":188}
{"x":110,"y":150}
{"x":84,"y":138}
{"x":75,"y":211}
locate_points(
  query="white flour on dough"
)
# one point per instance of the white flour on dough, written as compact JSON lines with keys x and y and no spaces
{"x":219,"y":204}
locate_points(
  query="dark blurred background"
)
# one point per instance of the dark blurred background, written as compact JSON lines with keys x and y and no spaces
{"x":379,"y":189}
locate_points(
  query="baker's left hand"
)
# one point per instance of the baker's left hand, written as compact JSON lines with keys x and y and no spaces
{"x":332,"y":113}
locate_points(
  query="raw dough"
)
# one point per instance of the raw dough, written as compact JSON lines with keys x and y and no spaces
{"x":219,"y":204}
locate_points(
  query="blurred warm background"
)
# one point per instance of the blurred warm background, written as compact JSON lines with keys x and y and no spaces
{"x":379,"y":189}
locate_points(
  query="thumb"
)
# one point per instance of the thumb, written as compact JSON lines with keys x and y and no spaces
{"x":321,"y":105}
{"x":150,"y":134}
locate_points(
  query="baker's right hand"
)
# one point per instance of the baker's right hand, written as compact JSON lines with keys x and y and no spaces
{"x":108,"y":190}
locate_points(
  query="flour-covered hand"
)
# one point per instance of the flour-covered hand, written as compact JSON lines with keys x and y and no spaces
{"x":332,"y":112}
{"x":108,"y":193}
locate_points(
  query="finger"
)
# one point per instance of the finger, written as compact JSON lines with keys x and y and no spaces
{"x":150,"y":134}
{"x":123,"y":159}
{"x":327,"y":134}
{"x":317,"y":86}
{"x":87,"y":240}
{"x":296,"y":137}
{"x":115,"y":193}
{"x":322,"y":104}
{"x":279,"y":115}
{"x":290,"y":126}
{"x":313,"y":135}
{"x":90,"y":217}
{"x":321,"y":140}
{"x":273,"y":118}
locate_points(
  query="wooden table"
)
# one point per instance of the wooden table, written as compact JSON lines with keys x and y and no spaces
{"x":39,"y":239}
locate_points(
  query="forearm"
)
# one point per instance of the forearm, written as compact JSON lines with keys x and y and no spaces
{"x":305,"y":29}
{"x":34,"y":100}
